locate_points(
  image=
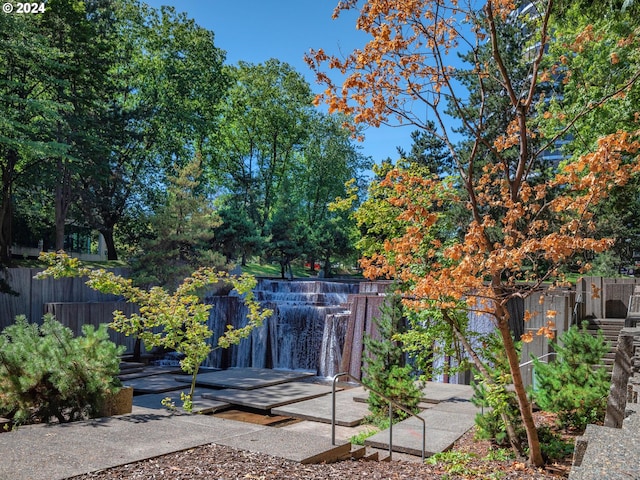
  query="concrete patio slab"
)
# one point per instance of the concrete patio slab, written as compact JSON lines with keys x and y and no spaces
{"x":443,"y":428}
{"x":348,"y":412}
{"x":343,"y":433}
{"x":148,"y":371}
{"x":56,"y":452}
{"x":200,"y":404}
{"x":435,"y":392}
{"x":270,"y":397}
{"x":457,"y":405}
{"x":249,"y":378}
{"x":156,"y":384}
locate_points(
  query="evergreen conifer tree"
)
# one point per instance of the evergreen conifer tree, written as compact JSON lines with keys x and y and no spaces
{"x":575,"y":385}
{"x":385,"y":369}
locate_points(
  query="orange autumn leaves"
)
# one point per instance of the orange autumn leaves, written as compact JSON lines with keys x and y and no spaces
{"x":522,"y":227}
{"x":548,"y":223}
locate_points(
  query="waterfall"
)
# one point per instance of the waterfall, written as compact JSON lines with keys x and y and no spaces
{"x":302,"y":334}
{"x":333,"y":338}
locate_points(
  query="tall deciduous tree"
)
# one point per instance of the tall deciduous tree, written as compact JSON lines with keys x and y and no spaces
{"x":160,"y":108}
{"x":265,"y":124}
{"x":30,"y":68}
{"x":521,"y":229}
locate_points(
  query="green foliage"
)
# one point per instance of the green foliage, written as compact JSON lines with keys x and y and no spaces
{"x":499,"y":404}
{"x":46,"y":372}
{"x":554,"y":447}
{"x":457,"y":463}
{"x":500,"y":455}
{"x":180,"y":233}
{"x":432,"y":335}
{"x":176,"y":321}
{"x":575,"y":385}
{"x":362,"y":436}
{"x":384,"y":369}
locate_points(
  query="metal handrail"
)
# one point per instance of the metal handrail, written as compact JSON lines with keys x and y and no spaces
{"x":538,"y":358}
{"x":391,"y":403}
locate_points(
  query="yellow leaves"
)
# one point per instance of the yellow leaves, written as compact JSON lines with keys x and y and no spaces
{"x":614,"y":58}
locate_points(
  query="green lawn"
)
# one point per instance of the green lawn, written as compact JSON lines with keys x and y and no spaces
{"x":273,"y":270}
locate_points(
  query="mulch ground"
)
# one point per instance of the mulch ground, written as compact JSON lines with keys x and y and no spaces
{"x":218,"y":462}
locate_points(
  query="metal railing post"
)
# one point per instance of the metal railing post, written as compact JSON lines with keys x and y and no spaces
{"x":333,"y":411}
{"x":390,"y":429}
{"x":391,"y":405}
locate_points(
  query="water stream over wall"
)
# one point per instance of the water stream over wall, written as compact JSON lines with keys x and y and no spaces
{"x":306,"y":331}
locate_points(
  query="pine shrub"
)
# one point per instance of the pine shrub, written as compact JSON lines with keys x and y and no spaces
{"x":385,"y":370}
{"x":46,"y":373}
{"x":575,"y":385}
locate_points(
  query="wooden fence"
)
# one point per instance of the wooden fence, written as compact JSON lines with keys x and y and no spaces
{"x":34,"y":294}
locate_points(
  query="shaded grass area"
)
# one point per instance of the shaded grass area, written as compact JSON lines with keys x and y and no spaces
{"x":254,"y":268}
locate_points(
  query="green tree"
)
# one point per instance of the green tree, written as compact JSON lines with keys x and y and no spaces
{"x":166,"y":80}
{"x":180,"y":233}
{"x":328,"y":162}
{"x":265,"y":125}
{"x":288,"y":236}
{"x":385,"y":369}
{"x":595,"y":58}
{"x":575,"y":385}
{"x":429,"y":151}
{"x":80,"y":32}
{"x":237,"y":236}
{"x":177,"y":320}
{"x":500,"y":402}
{"x":30,"y":68}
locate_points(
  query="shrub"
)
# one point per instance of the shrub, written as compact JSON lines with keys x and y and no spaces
{"x":575,"y":385}
{"x":500,"y":404}
{"x":554,"y":447}
{"x":46,"y":372}
{"x":384,"y":370}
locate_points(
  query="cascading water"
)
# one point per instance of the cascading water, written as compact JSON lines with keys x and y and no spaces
{"x":301,"y":334}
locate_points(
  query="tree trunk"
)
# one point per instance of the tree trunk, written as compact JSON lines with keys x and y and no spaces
{"x":327,"y":267}
{"x":112,"y":253}
{"x":62,"y":202}
{"x":6,"y":208}
{"x":535,"y":454}
{"x":511,"y":432}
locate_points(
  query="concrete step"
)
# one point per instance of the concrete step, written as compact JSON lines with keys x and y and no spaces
{"x":357,"y":452}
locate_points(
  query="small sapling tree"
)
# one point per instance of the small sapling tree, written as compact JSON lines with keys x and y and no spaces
{"x":176,"y":321}
{"x":385,"y":370}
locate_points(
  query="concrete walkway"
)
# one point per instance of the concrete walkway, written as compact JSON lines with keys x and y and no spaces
{"x":52,"y":452}
{"x":55,"y":452}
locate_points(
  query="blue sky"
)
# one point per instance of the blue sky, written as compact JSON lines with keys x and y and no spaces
{"x":257,"y":30}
